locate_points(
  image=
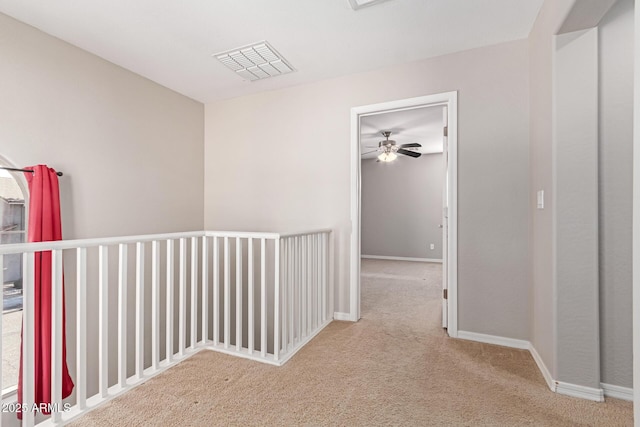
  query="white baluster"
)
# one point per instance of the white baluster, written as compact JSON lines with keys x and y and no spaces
{"x":294,"y":303}
{"x":250,"y":333}
{"x":323,"y":276}
{"x":297,"y":306}
{"x":304,"y":292}
{"x":290,"y":302}
{"x":183,"y":297}
{"x":238,"y":294}
{"x":286,"y":284}
{"x":139,"y":309}
{"x":103,"y":321}
{"x":28,"y":337}
{"x":315,"y":285}
{"x":318,"y":275}
{"x":205,"y":290}
{"x":194,"y":292}
{"x":227,"y":303}
{"x":327,"y":282}
{"x":299,"y":301}
{"x":56,"y":334}
{"x":170,"y":295}
{"x":309,"y":303}
{"x":81,"y":328}
{"x":216,"y":292}
{"x":312,"y":289}
{"x":263,"y":300}
{"x":155,"y":305}
{"x":276,"y":302}
{"x":122,"y":315}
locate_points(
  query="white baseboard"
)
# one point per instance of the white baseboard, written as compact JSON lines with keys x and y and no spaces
{"x":342,"y":316}
{"x":399,"y":258}
{"x":543,"y":368}
{"x":492,"y":339}
{"x":617,"y":392}
{"x":580,"y":391}
{"x":567,"y":389}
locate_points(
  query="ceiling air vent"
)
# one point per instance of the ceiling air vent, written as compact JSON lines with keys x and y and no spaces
{"x":255,"y":62}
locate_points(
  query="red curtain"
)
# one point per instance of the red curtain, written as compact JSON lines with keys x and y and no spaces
{"x":44,"y":225}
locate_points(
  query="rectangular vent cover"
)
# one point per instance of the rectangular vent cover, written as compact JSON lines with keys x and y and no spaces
{"x":255,"y":62}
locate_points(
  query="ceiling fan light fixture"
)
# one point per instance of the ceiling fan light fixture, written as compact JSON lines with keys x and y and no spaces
{"x":387,"y":157}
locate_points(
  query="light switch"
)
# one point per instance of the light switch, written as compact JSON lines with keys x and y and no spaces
{"x":540,"y":199}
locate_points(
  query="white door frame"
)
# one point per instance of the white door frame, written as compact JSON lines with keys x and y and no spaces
{"x":449,"y":99}
{"x":636,"y":219}
{"x":445,"y":220}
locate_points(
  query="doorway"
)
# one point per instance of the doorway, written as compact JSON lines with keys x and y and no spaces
{"x":447,"y":100}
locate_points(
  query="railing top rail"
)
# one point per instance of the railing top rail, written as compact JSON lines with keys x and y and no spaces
{"x":242,"y":234}
{"x":107,"y":241}
{"x":304,"y":233}
{"x":86,"y":243}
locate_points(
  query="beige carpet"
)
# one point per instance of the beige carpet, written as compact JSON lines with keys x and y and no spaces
{"x":394,"y":367}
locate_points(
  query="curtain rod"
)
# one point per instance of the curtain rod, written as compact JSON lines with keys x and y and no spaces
{"x":24,"y":170}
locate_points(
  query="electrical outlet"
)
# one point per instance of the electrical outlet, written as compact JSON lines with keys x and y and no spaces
{"x":432,"y":246}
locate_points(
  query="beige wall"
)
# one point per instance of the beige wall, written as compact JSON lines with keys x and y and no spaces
{"x":131,"y":150}
{"x":132,"y":153}
{"x":280,"y":161}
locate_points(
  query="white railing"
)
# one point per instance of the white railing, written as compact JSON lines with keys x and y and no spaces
{"x":306,"y":295}
{"x":260,"y":296}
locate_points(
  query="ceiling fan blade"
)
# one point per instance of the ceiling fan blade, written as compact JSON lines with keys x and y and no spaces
{"x":411,"y":145}
{"x":409,"y":153}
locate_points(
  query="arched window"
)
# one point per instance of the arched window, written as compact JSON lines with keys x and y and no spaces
{"x":13,"y":229}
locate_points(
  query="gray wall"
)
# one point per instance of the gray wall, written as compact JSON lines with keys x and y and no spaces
{"x":542,"y":293}
{"x":402,"y":207}
{"x":279,"y":161}
{"x":615,"y":163}
{"x":576,"y":207}
{"x":567,"y":315}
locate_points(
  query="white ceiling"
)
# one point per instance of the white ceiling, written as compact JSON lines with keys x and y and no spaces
{"x":421,"y":125}
{"x":171,"y":42}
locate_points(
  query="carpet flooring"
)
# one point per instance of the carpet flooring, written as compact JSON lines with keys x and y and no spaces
{"x":396,"y":366}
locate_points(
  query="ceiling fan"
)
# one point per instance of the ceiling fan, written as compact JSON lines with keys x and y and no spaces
{"x":389,"y":150}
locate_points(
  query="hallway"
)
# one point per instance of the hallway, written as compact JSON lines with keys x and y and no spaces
{"x":396,"y":366}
